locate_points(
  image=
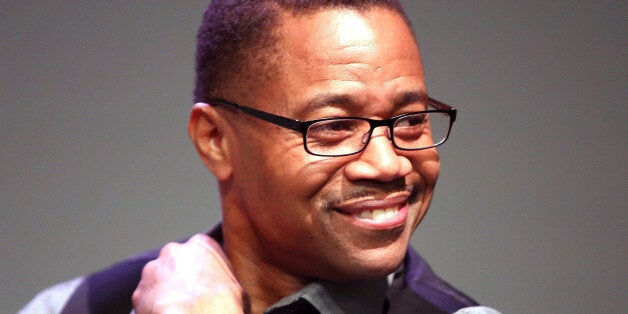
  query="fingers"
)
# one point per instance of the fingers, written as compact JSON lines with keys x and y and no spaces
{"x":191,"y":275}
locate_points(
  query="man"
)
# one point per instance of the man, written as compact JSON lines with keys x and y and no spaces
{"x":313,"y":116}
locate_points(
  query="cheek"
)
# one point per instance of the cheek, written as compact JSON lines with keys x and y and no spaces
{"x":283,"y":175}
{"x":429,"y":170}
{"x":285,"y":200}
{"x":427,"y":165}
{"x":320,"y":175}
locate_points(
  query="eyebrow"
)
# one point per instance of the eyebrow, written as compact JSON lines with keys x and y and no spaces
{"x":410,"y":97}
{"x":326,"y":99}
{"x":347,"y":101}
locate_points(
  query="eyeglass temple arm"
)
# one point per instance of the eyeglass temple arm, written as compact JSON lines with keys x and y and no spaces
{"x":301,"y":126}
{"x":275,"y":119}
{"x":443,"y":106}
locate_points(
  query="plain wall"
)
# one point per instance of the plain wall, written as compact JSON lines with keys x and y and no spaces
{"x":529,"y":214}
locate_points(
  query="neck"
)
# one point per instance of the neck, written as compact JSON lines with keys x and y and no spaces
{"x":263,"y":282}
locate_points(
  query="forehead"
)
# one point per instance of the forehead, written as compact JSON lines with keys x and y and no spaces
{"x":366,"y":55}
{"x":334,"y":29}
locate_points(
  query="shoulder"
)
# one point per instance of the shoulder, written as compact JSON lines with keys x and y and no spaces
{"x":52,"y":300}
{"x":106,"y":291}
{"x":421,"y":286}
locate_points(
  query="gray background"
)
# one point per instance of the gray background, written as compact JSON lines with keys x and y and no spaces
{"x":95,"y":163}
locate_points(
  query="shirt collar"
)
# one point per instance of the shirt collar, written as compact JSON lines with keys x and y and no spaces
{"x":363,"y":296}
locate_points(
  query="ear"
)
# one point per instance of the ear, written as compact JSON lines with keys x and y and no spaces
{"x":206,"y":128}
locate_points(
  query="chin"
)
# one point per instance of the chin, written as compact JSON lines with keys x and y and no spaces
{"x":376,"y":263}
{"x":385,"y":265}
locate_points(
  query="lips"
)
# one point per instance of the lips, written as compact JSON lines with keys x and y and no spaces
{"x":377,"y":213}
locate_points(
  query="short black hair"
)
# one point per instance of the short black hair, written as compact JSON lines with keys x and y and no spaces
{"x":237,"y":41}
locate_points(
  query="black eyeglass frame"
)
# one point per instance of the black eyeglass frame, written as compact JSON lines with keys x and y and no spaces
{"x":303,"y":126}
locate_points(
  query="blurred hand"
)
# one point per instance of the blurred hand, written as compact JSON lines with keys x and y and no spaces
{"x":193,"y":277}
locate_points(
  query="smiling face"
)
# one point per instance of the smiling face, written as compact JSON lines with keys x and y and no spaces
{"x":334,"y":218}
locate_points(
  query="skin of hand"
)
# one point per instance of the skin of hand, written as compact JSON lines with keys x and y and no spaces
{"x":190,"y":277}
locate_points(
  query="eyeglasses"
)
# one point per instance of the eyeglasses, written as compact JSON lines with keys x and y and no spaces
{"x":331,"y":137}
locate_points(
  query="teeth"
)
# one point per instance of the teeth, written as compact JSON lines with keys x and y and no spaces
{"x":366,"y":215}
{"x":379,"y":214}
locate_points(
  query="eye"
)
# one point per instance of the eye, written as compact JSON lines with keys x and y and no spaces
{"x":411,"y":127}
{"x":412,"y":120}
{"x":336,"y":130}
{"x":338,"y":126}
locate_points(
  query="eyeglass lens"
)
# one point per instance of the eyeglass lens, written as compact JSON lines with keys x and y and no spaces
{"x":347,"y":136}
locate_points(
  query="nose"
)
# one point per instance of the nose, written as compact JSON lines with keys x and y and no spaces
{"x":379,"y":160}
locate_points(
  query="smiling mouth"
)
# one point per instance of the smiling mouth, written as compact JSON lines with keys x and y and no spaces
{"x":379,"y":214}
{"x":378,"y":211}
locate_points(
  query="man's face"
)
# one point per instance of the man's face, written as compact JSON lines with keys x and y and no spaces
{"x":334,"y":218}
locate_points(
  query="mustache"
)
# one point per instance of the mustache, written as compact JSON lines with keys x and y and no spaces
{"x":368,"y":190}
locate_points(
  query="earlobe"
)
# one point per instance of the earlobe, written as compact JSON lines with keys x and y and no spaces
{"x":206,"y":129}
